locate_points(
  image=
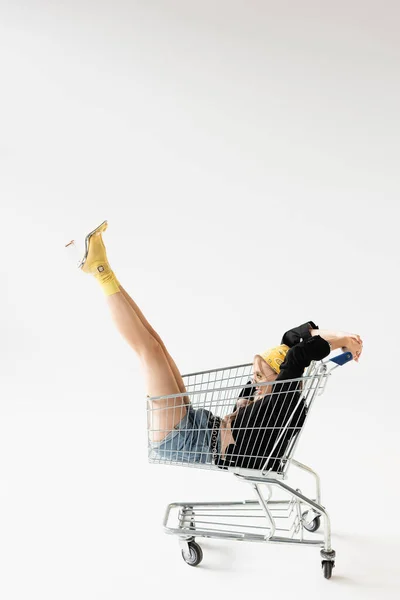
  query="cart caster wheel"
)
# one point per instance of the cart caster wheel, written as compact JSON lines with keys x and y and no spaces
{"x":327,"y":566}
{"x":312,"y":525}
{"x":194,"y":556}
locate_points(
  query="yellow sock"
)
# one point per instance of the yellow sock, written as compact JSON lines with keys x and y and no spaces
{"x":97,"y":264}
{"x":106,"y":277}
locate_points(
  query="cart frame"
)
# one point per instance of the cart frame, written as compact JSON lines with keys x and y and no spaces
{"x":260,"y":519}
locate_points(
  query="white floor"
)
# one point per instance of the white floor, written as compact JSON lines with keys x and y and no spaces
{"x":81,"y":519}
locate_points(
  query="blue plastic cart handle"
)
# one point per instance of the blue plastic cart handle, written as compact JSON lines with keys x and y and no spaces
{"x":342,"y":359}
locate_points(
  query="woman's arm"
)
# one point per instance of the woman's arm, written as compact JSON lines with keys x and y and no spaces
{"x":341,"y":339}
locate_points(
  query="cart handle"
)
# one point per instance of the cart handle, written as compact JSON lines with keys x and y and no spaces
{"x":342,"y":359}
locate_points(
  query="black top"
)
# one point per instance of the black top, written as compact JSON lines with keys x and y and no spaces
{"x":258,"y":425}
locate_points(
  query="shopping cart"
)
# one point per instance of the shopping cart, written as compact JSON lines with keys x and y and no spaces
{"x":263,"y":464}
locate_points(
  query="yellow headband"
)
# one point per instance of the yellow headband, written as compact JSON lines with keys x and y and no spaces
{"x":274,"y":357}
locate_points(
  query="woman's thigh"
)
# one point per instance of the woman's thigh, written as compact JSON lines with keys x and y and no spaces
{"x":163,"y":414}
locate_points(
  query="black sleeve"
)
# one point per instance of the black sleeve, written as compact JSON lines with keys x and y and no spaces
{"x":248,"y":391}
{"x":300,"y":356}
{"x":298,"y":334}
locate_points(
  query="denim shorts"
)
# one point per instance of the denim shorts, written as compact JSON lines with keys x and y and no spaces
{"x":188,"y":442}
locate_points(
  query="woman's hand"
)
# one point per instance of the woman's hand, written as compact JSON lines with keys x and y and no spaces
{"x":341,"y":339}
{"x":242,"y":402}
{"x":227,"y":420}
{"x":354,"y":344}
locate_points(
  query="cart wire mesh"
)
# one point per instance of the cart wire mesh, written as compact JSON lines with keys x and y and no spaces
{"x":227,"y":421}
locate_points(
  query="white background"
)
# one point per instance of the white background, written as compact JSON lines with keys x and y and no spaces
{"x":246,"y":157}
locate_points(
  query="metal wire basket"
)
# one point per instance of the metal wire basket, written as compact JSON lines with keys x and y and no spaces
{"x":267,"y":437}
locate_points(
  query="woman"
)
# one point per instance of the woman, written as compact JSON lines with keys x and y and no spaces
{"x":241,"y":438}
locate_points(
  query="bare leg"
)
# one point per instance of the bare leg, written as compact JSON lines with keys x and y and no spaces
{"x":155,"y":335}
{"x":160,"y":379}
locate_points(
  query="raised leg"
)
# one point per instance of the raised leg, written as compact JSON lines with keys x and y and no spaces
{"x":174,"y":368}
{"x":161,"y":374}
{"x":159,"y":377}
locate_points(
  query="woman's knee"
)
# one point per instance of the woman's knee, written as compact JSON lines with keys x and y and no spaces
{"x":151,"y":350}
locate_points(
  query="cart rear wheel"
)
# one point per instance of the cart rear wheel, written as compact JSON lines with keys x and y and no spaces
{"x":313,"y":525}
{"x":194,"y":556}
{"x":327,"y":566}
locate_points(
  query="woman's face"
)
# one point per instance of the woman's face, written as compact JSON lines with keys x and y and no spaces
{"x":262,"y":372}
